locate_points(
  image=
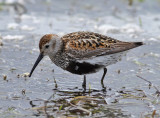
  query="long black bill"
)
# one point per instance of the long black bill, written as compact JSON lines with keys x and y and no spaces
{"x":36,"y":63}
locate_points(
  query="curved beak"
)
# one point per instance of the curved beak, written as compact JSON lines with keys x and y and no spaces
{"x":40,"y":57}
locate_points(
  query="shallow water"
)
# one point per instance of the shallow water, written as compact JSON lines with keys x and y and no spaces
{"x":50,"y":90}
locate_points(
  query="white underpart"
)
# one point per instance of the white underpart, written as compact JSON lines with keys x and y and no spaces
{"x":104,"y":60}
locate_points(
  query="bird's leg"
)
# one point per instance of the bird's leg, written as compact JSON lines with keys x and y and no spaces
{"x":84,"y":83}
{"x":105,"y":71}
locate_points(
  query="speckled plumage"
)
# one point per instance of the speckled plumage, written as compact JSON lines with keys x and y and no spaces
{"x":88,"y":44}
{"x":82,"y":52}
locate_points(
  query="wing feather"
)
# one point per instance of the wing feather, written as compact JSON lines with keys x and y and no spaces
{"x":86,"y":45}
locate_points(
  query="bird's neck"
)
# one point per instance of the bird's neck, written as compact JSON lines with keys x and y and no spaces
{"x":56,"y":47}
{"x":57,"y":56}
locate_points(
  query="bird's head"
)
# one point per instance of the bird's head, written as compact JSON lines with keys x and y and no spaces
{"x":47,"y":45}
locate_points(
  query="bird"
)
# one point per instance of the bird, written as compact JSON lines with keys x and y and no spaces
{"x":82,"y":52}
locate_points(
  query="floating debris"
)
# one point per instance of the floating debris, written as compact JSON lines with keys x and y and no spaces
{"x":25,"y":75}
{"x":13,"y":69}
{"x":56,"y":86}
{"x":118,"y":71}
{"x":139,"y":63}
{"x":18,"y":76}
{"x":153,"y":114}
{"x":60,"y":108}
{"x":89,"y":88}
{"x":150,"y":84}
{"x":23,"y":92}
{"x":4,"y":77}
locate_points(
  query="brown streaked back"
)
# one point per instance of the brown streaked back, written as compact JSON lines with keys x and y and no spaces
{"x":88,"y":44}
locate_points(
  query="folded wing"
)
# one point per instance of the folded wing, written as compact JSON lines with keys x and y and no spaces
{"x":88,"y":45}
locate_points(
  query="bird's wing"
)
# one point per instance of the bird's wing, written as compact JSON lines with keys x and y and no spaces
{"x":86,"y":45}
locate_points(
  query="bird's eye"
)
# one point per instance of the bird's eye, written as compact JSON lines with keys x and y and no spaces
{"x":47,"y":46}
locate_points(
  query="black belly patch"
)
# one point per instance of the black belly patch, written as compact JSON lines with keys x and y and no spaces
{"x":83,"y":68}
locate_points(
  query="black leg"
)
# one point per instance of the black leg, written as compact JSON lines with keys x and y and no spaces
{"x":84,"y":83}
{"x":105,"y":71}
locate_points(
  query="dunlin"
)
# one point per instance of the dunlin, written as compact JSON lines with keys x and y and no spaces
{"x":82,"y":52}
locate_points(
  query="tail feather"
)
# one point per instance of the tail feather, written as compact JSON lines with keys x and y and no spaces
{"x":138,"y":44}
{"x":130,"y":45}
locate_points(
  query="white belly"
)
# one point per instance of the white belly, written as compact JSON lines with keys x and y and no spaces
{"x":104,"y":60}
